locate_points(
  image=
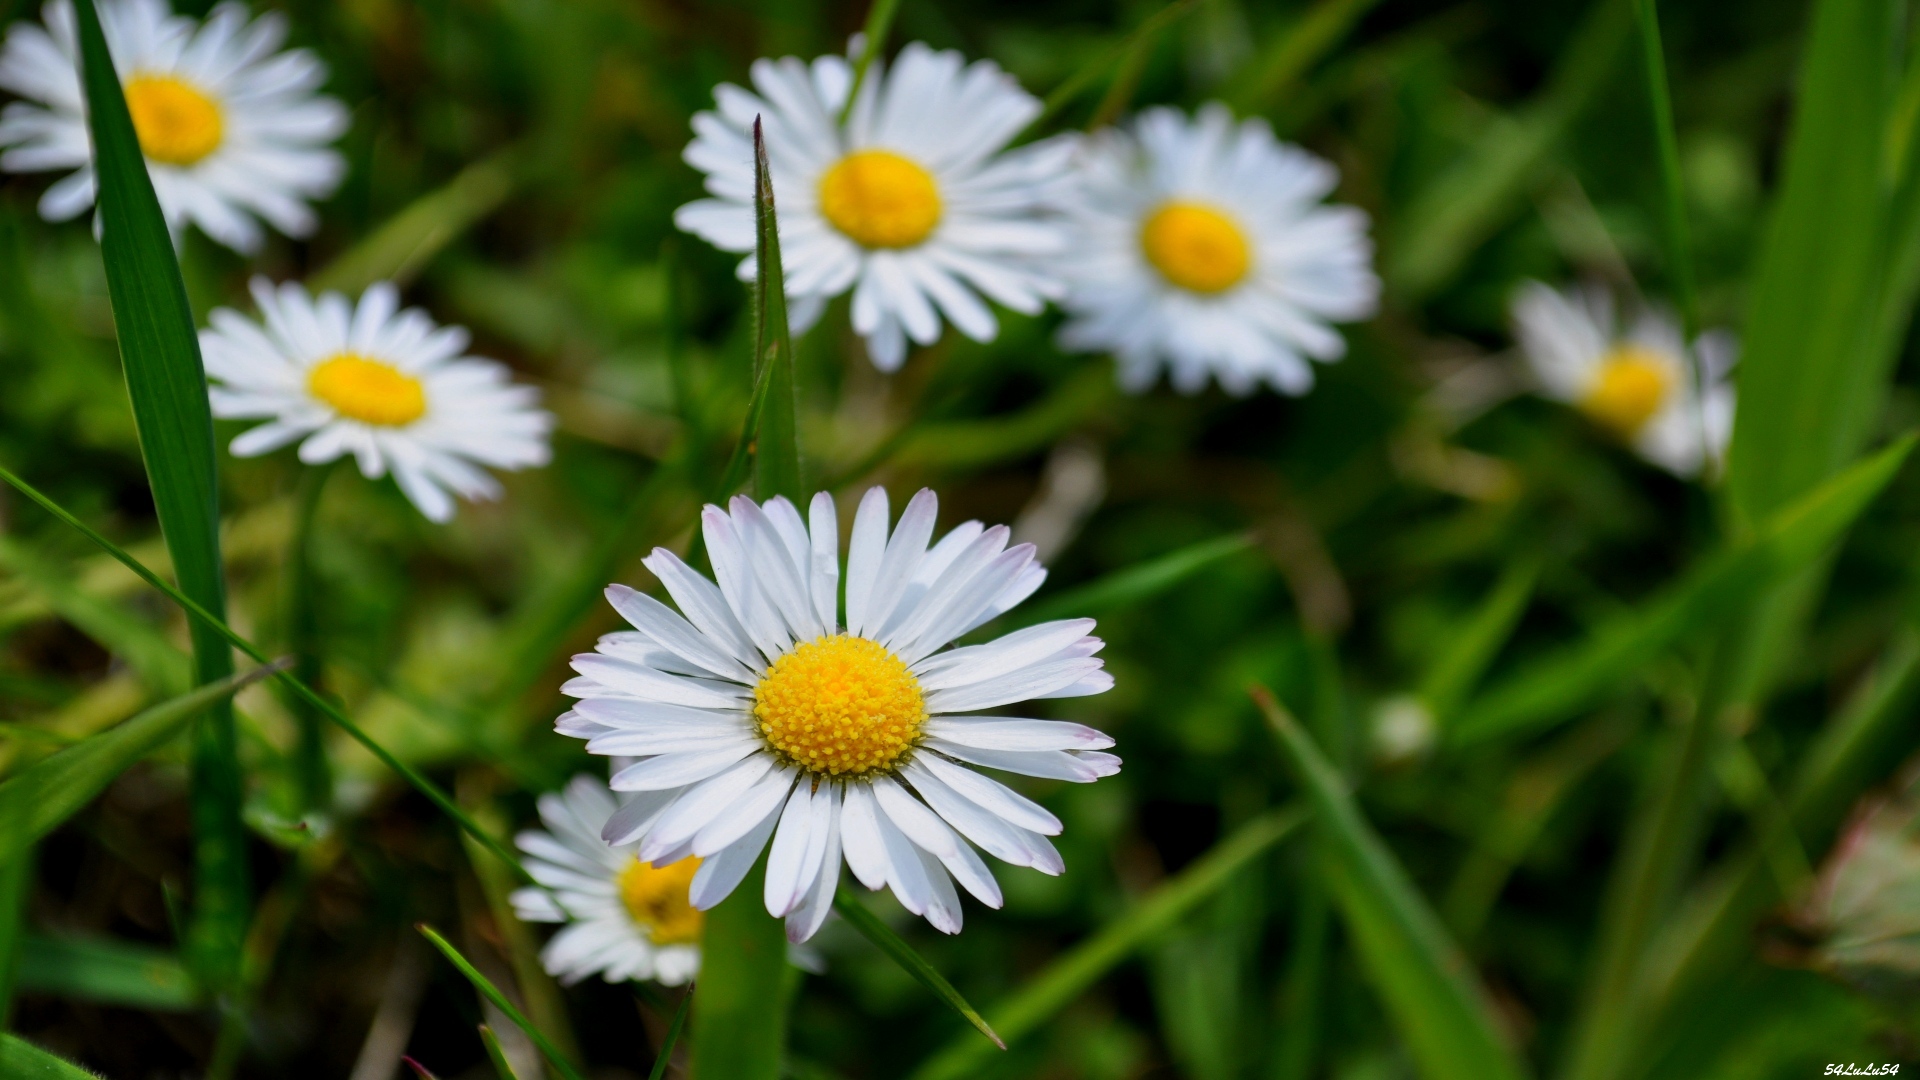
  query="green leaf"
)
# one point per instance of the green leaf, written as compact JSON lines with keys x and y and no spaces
{"x":664,"y":1056}
{"x":775,"y":437}
{"x":107,"y":972}
{"x":897,"y":950}
{"x":399,"y":249}
{"x":160,"y":351}
{"x":1459,"y":667}
{"x":740,"y":1021}
{"x":16,"y":881}
{"x":146,"y":650}
{"x":1442,"y":1013}
{"x":1294,"y":49}
{"x":1811,"y":388}
{"x":1137,"y":583}
{"x":1071,"y":975}
{"x":1555,"y":688}
{"x":496,"y":1055}
{"x":492,"y":993}
{"x":21,"y":1060}
{"x":34,"y":802}
{"x":1449,"y":220}
{"x":203,"y":617}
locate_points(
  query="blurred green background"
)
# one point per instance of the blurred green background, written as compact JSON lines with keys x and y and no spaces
{"x":1418,"y":530}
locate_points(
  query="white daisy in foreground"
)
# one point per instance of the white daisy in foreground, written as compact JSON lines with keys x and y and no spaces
{"x":232,"y":130}
{"x":910,"y":203}
{"x":1637,"y":379}
{"x":757,"y":715}
{"x":1204,"y":248}
{"x":386,"y":385}
{"x":626,"y":919}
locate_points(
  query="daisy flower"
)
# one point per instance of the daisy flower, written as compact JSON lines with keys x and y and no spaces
{"x":231,"y":128}
{"x":758,"y":715}
{"x":1203,"y":247}
{"x":626,"y":919}
{"x":1635,"y":378}
{"x":386,"y":385}
{"x":911,"y":203}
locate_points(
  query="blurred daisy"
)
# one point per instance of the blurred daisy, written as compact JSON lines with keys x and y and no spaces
{"x":1637,"y":379}
{"x":232,"y":130}
{"x":757,"y":715}
{"x":385,"y":385}
{"x":626,"y":919}
{"x":910,"y":203}
{"x":1204,"y":248}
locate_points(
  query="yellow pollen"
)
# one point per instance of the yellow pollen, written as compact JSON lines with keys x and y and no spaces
{"x":656,"y":898}
{"x":370,"y":391}
{"x":1628,"y":390}
{"x":176,"y":123}
{"x":1196,"y":247}
{"x":880,"y":199}
{"x":840,"y":706}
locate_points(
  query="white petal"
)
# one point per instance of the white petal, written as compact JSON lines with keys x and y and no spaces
{"x":679,"y":770}
{"x":1008,"y":733}
{"x":992,"y":795}
{"x":925,"y":829}
{"x":744,"y":813}
{"x":720,"y":875}
{"x":860,"y":834}
{"x":700,"y":805}
{"x":864,"y":555}
{"x":672,"y":632}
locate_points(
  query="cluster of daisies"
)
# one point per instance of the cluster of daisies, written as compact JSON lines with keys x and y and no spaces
{"x":784,"y":707}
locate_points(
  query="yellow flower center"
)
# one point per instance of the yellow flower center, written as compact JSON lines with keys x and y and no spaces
{"x":1196,"y":247}
{"x":177,"y":124}
{"x":656,"y":898}
{"x":880,"y":199}
{"x":840,"y":705}
{"x":1630,"y":387}
{"x":367,"y":390}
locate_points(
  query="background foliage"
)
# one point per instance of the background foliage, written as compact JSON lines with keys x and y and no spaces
{"x":1639,"y":708}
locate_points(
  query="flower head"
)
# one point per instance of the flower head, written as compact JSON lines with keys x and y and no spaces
{"x":1637,"y":380}
{"x":758,"y":715}
{"x":231,"y":128}
{"x":1203,"y":247}
{"x":911,"y":203}
{"x":626,"y":919}
{"x":385,"y":385}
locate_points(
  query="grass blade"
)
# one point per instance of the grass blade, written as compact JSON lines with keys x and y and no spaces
{"x":896,"y":948}
{"x":664,"y":1057}
{"x":1138,"y":583}
{"x":740,"y":1030}
{"x":1295,"y":49}
{"x":35,"y":801}
{"x":1442,"y":1013}
{"x":107,"y":972}
{"x":492,"y":993}
{"x":1673,"y":210}
{"x":1559,"y":685}
{"x":398,"y":250}
{"x":496,"y":1055}
{"x":204,"y":617}
{"x":879,"y":25}
{"x":167,"y":383}
{"x":1067,"y":978}
{"x":160,"y":664}
{"x":1458,"y":669}
{"x":21,"y":1060}
{"x":16,"y":881}
{"x":1810,"y":387}
{"x":775,"y":437}
{"x":1082,"y":80}
{"x":1460,"y":209}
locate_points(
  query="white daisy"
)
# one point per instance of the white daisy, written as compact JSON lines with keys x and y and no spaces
{"x":910,"y":203}
{"x":232,"y":129}
{"x":626,"y":919}
{"x":1635,"y":378}
{"x":1204,"y":248}
{"x":385,"y":385}
{"x":757,"y":714}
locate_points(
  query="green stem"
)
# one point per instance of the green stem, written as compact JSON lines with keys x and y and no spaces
{"x":879,"y":22}
{"x":740,"y":1017}
{"x":16,"y":881}
{"x":1304,"y":989}
{"x":313,"y":779}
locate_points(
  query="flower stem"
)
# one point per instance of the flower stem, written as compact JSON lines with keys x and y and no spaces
{"x":313,"y":780}
{"x":740,"y":1013}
